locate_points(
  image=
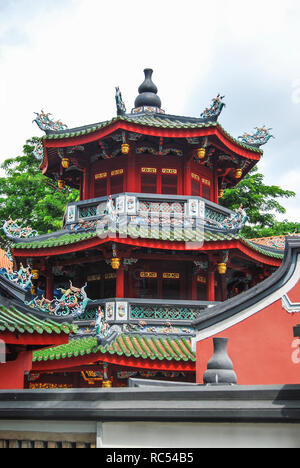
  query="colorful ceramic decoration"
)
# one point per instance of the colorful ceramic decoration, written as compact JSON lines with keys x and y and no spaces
{"x":44,"y":122}
{"x":72,"y":302}
{"x":38,"y":151}
{"x":13,"y":230}
{"x":215,"y":109}
{"x":259,"y":138}
{"x":22,"y":277}
{"x":121,"y":109}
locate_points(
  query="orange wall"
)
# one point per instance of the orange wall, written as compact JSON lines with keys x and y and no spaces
{"x":261,"y":347}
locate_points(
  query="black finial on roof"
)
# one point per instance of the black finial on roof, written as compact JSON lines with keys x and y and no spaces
{"x":148,"y":92}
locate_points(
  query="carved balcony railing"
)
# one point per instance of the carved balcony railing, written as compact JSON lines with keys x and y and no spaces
{"x":167,"y":211}
{"x":147,"y":315}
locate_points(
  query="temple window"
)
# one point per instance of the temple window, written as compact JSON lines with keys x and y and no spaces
{"x":196,"y":185}
{"x":117,"y":181}
{"x":206,"y":188}
{"x":201,"y":287}
{"x":148,"y":180}
{"x":171,"y":285}
{"x":169,"y":181}
{"x":148,"y":285}
{"x":100,"y":184}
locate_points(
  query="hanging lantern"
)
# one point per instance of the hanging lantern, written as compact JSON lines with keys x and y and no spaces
{"x":221,"y":193}
{"x":33,"y":290}
{"x":115,"y":263}
{"x":222,"y":268}
{"x":65,"y":162}
{"x":35,"y":274}
{"x":61,"y":184}
{"x":125,"y":148}
{"x":238,"y":173}
{"x":201,"y":152}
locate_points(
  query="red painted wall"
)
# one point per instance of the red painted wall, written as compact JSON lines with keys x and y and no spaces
{"x":12,"y":373}
{"x":263,"y":348}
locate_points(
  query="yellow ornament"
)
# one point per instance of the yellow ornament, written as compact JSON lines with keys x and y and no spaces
{"x":65,"y":162}
{"x":201,"y":152}
{"x":222,"y":268}
{"x":115,"y":263}
{"x":125,"y":148}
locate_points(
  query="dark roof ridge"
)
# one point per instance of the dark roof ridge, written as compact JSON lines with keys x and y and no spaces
{"x":135,"y":117}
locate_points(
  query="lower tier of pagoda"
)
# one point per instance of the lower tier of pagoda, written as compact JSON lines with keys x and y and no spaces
{"x":115,"y":269}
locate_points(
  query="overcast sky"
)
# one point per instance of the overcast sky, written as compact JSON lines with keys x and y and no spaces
{"x":67,"y":56}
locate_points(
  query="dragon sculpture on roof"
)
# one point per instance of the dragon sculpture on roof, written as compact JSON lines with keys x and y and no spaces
{"x":44,"y":122}
{"x":259,"y":138}
{"x":215,"y":109}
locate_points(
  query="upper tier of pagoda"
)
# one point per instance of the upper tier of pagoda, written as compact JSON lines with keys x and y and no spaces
{"x":148,"y":151}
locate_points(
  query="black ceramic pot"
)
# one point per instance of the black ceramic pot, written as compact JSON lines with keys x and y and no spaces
{"x":220,"y":367}
{"x":147,"y":92}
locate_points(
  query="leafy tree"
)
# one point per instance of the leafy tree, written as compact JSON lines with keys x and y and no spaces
{"x":27,"y":195}
{"x":261,"y":203}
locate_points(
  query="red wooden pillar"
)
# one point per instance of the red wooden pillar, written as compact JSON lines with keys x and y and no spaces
{"x":131,"y":176}
{"x":86,"y":184}
{"x":211,"y":285}
{"x":187,"y":179}
{"x":120,"y":282}
{"x":215,"y":186}
{"x":180,"y":177}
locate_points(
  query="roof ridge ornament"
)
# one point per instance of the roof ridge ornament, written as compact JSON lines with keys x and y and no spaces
{"x":44,"y":122}
{"x":147,"y":101}
{"x":259,"y":138}
{"x":12,"y":230}
{"x":213,"y":112}
{"x":121,"y":108}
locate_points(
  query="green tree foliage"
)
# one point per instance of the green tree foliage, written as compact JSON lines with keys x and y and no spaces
{"x":261,"y":203}
{"x":27,"y":195}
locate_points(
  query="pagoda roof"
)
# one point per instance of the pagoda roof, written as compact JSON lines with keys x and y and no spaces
{"x":26,"y":326}
{"x":14,"y":321}
{"x":179,"y":125}
{"x":58,"y":242}
{"x":137,"y":350}
{"x":274,"y":242}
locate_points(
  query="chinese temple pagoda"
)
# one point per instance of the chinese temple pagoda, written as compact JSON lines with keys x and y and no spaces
{"x":146,"y":249}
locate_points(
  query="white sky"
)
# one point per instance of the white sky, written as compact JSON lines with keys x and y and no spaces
{"x":67,"y":56}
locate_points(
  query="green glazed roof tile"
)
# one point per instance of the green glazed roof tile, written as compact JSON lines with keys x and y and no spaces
{"x":13,"y":320}
{"x":149,"y":121}
{"x":178,"y":349}
{"x":68,"y":239}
